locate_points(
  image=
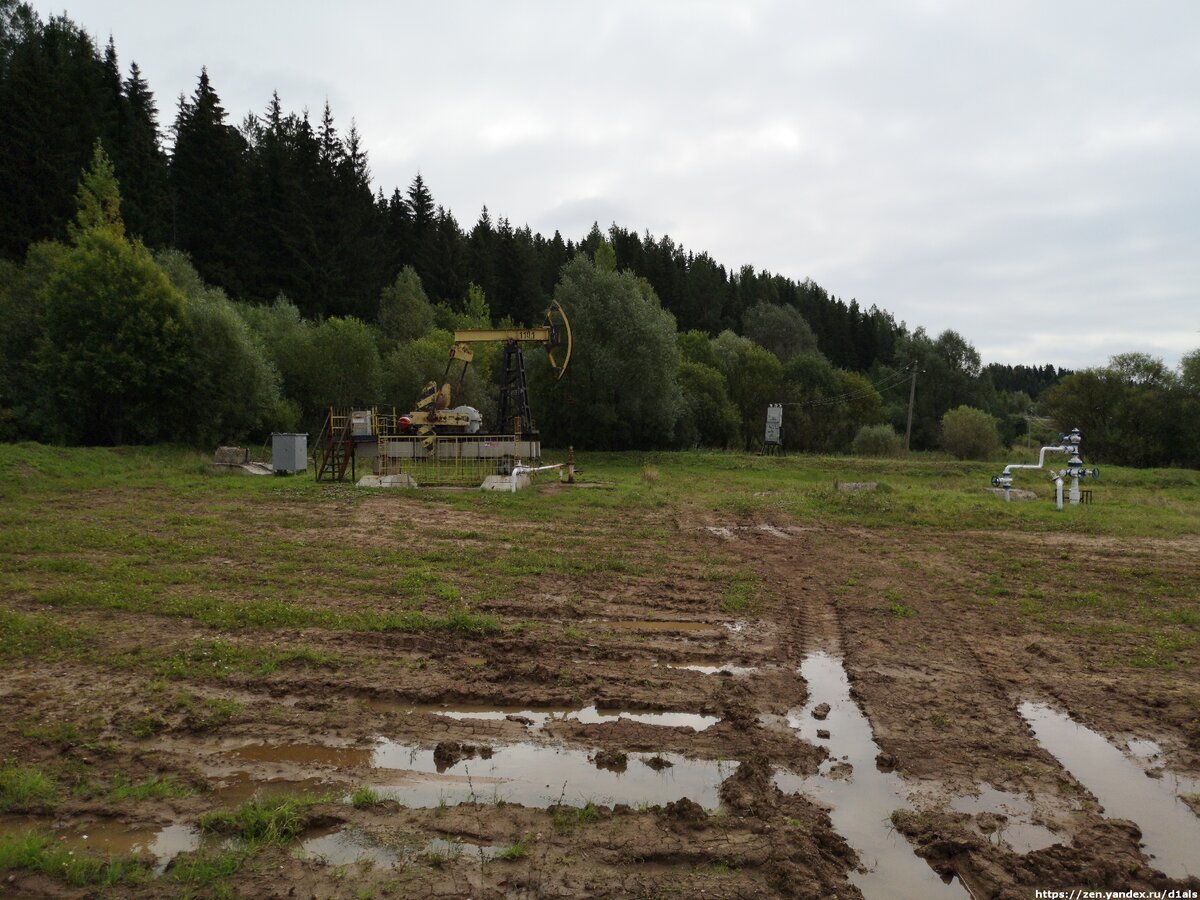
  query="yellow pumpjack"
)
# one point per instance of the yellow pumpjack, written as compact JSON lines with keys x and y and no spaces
{"x":434,"y":413}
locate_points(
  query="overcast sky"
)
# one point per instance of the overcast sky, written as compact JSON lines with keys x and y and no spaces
{"x":1026,"y":173}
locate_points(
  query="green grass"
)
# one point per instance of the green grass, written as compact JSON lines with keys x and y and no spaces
{"x":26,"y":789}
{"x":249,"y":558}
{"x":263,"y":820}
{"x":35,"y":852}
{"x":152,"y":788}
{"x":364,"y":797}
{"x":206,"y":867}
{"x":517,"y":850}
{"x":567,"y":818}
{"x":34,"y":635}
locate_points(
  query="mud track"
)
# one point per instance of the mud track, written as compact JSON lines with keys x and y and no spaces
{"x":575,"y":685}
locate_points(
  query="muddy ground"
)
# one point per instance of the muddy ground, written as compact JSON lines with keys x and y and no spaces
{"x":942,"y":635}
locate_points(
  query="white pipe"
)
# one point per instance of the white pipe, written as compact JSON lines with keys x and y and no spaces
{"x":1058,"y":486}
{"x":529,"y":470}
{"x":1041,"y":460}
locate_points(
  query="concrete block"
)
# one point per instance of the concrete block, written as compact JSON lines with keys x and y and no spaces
{"x":387,"y":481}
{"x":504,"y":483}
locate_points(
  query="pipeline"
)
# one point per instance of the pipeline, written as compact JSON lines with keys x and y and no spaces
{"x":1074,"y":470}
{"x":529,"y":470}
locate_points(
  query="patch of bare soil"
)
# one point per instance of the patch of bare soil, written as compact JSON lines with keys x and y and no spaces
{"x":937,"y":664}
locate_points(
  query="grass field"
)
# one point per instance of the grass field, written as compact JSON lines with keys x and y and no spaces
{"x":236,"y":684}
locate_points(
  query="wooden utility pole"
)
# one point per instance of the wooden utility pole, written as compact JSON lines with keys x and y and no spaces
{"x":912,"y":395}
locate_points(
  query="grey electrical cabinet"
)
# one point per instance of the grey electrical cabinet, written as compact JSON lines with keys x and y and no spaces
{"x":289,"y":453}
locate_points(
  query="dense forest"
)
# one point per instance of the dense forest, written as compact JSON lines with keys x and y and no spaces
{"x":205,"y":280}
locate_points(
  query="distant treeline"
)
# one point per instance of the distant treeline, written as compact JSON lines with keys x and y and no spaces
{"x":278,"y":215}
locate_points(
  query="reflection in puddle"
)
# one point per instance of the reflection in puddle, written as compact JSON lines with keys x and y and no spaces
{"x":108,"y":838}
{"x":533,"y":775}
{"x":305,"y":754}
{"x":1145,"y":750}
{"x":344,"y":846}
{"x":458,"y":848}
{"x":1017,"y":828}
{"x":539,"y":716}
{"x":237,"y":788}
{"x":1170,"y":830}
{"x":861,"y":804}
{"x":726,"y":668}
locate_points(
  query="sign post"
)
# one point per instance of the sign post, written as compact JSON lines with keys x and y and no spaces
{"x":773,"y":442}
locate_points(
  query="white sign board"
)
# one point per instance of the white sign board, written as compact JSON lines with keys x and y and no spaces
{"x":775,"y":423}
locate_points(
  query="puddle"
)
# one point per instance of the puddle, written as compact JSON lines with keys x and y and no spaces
{"x":539,"y":716}
{"x":533,"y":775}
{"x":345,"y":846}
{"x":461,"y":847}
{"x":717,"y":670}
{"x":654,"y":625}
{"x":108,"y":838}
{"x":1145,"y":750}
{"x":1170,"y":830}
{"x":1017,"y":829}
{"x":861,"y":804}
{"x":239,"y":787}
{"x":305,"y":754}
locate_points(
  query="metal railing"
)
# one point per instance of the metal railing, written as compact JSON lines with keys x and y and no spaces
{"x":457,"y":459}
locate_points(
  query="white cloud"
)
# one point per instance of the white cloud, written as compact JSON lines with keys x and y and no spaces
{"x":1022,"y":172}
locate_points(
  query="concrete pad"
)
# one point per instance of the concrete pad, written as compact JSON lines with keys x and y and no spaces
{"x":387,"y":481}
{"x":504,"y":483}
{"x":851,"y":487}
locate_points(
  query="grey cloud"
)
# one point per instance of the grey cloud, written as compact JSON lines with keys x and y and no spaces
{"x":1021,"y":172}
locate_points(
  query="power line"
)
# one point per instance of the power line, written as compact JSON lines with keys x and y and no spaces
{"x":890,"y":381}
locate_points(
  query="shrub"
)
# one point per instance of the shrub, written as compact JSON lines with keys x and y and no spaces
{"x":969,"y":433}
{"x":877,"y":440}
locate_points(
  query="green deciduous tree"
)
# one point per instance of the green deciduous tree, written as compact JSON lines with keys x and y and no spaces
{"x":969,"y":433}
{"x":117,"y":330}
{"x":780,"y":329}
{"x":620,"y":391}
{"x":709,"y":418}
{"x":234,"y":388}
{"x":877,"y":440}
{"x":754,"y":376}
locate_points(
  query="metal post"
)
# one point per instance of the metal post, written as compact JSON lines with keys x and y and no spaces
{"x":912,"y":395}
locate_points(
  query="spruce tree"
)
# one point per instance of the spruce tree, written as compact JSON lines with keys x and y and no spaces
{"x":208,"y":185}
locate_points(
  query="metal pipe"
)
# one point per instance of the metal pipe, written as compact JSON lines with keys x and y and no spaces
{"x":1058,"y":486}
{"x":529,"y":470}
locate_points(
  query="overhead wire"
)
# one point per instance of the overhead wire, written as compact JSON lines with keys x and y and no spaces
{"x":890,"y":381}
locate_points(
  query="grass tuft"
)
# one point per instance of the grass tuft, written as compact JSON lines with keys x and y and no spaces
{"x":264,"y":821}
{"x":25,"y":789}
{"x":35,"y":852}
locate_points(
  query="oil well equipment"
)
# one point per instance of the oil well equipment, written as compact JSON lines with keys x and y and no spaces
{"x":439,"y":442}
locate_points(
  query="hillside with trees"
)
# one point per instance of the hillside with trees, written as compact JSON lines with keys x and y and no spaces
{"x":204,"y":280}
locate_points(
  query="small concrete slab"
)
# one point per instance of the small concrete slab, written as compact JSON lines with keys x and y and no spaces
{"x":387,"y":481}
{"x":853,"y":487}
{"x":504,"y":483}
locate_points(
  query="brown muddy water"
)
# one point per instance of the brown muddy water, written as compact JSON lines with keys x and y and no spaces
{"x":1009,"y":817}
{"x":111,"y":838}
{"x":861,"y":802}
{"x":534,"y":775}
{"x":540,"y":716}
{"x":1170,"y":830}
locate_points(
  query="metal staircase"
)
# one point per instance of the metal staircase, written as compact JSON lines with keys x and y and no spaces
{"x":335,"y":447}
